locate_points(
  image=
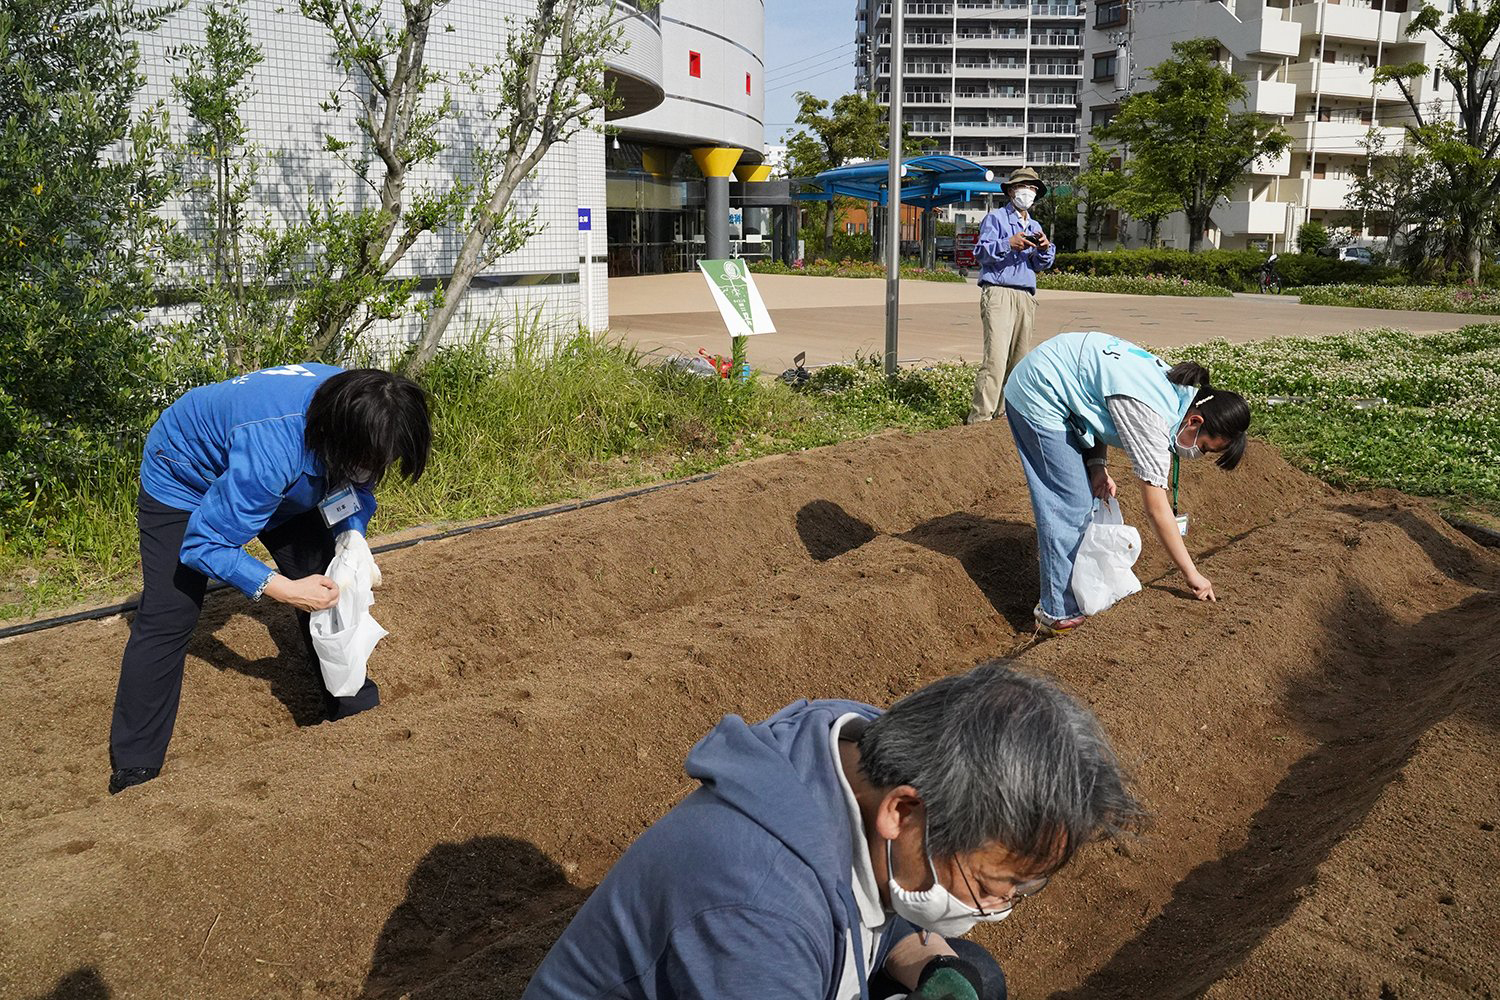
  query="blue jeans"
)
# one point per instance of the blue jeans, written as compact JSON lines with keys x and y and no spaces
{"x":1061,"y":501}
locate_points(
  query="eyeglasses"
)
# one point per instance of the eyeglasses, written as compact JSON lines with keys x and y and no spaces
{"x":1023,"y":890}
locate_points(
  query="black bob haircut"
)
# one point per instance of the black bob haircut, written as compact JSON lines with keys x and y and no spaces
{"x":1225,"y":414}
{"x":363,"y":421}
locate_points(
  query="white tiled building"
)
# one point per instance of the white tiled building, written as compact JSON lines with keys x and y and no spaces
{"x":691,"y":77}
{"x":996,"y":81}
{"x":1308,"y":63}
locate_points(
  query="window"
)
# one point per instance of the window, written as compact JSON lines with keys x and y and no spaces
{"x":747,"y":84}
{"x":1104,"y":67}
{"x":695,"y":64}
{"x":1103,"y":116}
{"x":1109,"y":13}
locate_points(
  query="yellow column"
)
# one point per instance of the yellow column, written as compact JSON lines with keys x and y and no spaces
{"x":753,"y":173}
{"x":717,"y":161}
{"x":658,"y":162}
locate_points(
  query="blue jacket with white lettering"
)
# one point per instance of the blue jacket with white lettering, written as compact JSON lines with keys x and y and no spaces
{"x":233,"y":455}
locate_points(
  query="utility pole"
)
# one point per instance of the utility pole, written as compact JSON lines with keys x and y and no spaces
{"x":893,"y":190}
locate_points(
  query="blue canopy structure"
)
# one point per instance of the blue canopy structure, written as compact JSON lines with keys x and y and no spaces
{"x":926,"y":181}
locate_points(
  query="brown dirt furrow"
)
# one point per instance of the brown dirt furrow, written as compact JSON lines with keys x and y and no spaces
{"x":543,"y":685}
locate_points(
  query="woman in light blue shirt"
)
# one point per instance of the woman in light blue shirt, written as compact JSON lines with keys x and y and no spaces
{"x":1075,"y":395}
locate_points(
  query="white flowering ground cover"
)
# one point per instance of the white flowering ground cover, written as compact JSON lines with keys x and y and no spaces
{"x":1437,"y":434}
{"x":1124,"y":284}
{"x":1460,"y":299}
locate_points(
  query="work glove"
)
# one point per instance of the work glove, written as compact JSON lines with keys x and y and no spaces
{"x":947,"y":978}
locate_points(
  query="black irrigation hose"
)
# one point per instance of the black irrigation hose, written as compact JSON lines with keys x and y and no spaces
{"x":94,"y":614}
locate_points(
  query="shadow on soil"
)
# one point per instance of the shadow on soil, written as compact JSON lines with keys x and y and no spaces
{"x":477,"y":920}
{"x":999,"y":556}
{"x":81,"y":984}
{"x":289,"y":674}
{"x":1367,"y":708}
{"x":828,"y":531}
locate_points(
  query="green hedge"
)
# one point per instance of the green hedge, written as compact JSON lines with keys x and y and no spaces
{"x":1236,"y":270}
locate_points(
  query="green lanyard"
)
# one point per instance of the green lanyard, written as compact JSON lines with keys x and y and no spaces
{"x":1176,"y":472}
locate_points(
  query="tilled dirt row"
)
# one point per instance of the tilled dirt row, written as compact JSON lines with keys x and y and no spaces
{"x":1318,"y":747}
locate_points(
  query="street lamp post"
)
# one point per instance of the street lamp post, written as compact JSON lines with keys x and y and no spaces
{"x":893,"y":190}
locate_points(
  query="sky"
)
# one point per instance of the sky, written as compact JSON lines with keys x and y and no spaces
{"x":809,"y":46}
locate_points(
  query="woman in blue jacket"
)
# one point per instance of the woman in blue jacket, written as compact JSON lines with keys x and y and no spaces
{"x":288,"y":455}
{"x":1077,"y":394}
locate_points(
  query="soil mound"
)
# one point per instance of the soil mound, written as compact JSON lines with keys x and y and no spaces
{"x":1318,"y":747}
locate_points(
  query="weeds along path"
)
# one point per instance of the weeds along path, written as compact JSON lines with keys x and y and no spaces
{"x":543,"y":682}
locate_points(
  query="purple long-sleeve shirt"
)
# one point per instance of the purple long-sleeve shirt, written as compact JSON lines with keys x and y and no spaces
{"x":998,"y":263}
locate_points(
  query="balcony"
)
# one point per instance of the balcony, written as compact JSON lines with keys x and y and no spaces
{"x":1267,"y":97}
{"x":930,"y":128}
{"x":1055,"y":40}
{"x":1056,"y":10}
{"x":1057,"y":69}
{"x":988,"y":128}
{"x":1275,"y":166}
{"x":1267,"y":37}
{"x":926,"y":97}
{"x":1328,"y":193}
{"x":1340,"y":80}
{"x":1045,"y":100}
{"x":990,"y":99}
{"x":992,"y":8}
{"x":990,"y":69}
{"x":1341,"y":137}
{"x":1260,"y":218}
{"x":989,"y":41}
{"x":1055,"y":156}
{"x":1353,"y":22}
{"x":1053,"y":128}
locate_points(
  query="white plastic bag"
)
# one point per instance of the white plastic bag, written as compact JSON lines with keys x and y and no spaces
{"x":345,"y":634}
{"x":1101,"y":573}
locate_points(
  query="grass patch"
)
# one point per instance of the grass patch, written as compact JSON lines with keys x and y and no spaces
{"x":1449,"y":299}
{"x":1437,"y":434}
{"x":856,"y":269}
{"x":520,"y":428}
{"x":1151,"y":284}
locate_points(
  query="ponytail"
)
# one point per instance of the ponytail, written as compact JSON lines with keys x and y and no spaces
{"x":1225,"y":414}
{"x":1188,"y":373}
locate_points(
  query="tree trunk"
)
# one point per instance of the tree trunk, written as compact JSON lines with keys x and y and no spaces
{"x":1197,"y":220}
{"x":440,"y":316}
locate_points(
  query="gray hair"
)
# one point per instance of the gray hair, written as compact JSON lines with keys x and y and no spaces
{"x":1002,"y":757}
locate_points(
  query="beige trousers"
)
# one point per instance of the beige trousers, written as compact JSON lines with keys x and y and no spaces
{"x":1007,"y":315}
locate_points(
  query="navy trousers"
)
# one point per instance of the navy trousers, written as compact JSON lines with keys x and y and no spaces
{"x":171,"y":600}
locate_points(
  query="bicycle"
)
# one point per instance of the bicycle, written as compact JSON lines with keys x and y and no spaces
{"x":1270,"y":281}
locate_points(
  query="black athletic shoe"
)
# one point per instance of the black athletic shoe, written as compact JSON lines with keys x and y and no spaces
{"x":125,"y":777}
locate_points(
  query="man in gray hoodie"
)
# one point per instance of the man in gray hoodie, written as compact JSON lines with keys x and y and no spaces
{"x":835,"y":852}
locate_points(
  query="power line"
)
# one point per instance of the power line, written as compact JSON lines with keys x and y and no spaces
{"x":815,"y":55}
{"x":806,"y":79}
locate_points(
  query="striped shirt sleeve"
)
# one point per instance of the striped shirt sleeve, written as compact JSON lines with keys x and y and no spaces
{"x":1144,"y":435}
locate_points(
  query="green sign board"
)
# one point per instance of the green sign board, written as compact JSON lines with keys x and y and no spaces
{"x":738,"y":299}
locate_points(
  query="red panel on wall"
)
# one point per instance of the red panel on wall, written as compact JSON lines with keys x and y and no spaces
{"x":695,"y":64}
{"x":747,"y":83}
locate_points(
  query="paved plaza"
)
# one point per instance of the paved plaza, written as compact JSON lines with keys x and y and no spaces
{"x":834,"y":319}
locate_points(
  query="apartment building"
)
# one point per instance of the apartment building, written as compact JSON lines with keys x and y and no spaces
{"x":996,"y":81}
{"x":1308,"y":63}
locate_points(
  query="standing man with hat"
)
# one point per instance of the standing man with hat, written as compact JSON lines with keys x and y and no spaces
{"x":1011,"y":250}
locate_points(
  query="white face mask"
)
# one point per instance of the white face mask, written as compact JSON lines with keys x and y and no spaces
{"x":936,"y":909}
{"x":1188,"y":450}
{"x":1023,"y":198}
